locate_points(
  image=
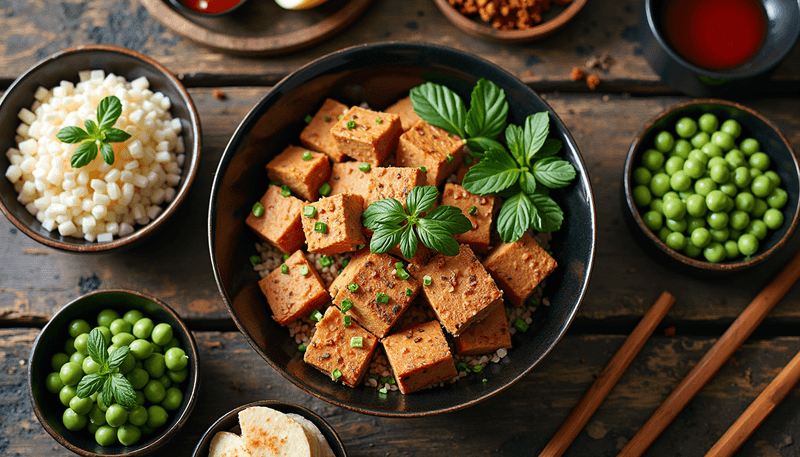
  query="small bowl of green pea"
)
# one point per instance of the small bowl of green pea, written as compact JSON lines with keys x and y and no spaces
{"x":113,"y":372}
{"x":711,"y":186}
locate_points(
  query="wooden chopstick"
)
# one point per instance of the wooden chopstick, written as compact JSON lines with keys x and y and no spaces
{"x":755,"y":414}
{"x":593,"y":397}
{"x":708,"y":366}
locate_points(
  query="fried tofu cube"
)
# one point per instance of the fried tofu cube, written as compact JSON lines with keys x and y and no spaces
{"x":347,"y":273}
{"x":317,"y":134}
{"x":379,"y":297}
{"x":280,"y":224}
{"x":519,"y":267}
{"x":460,"y":292}
{"x":293,"y":294}
{"x":420,"y":357}
{"x":486,"y":336}
{"x":366,"y":135}
{"x":302,"y":176}
{"x":467,"y":161}
{"x":393,"y":182}
{"x":346,"y":177}
{"x":424,"y":145}
{"x":481,"y":216}
{"x":421,"y":257}
{"x":332,"y":348}
{"x":405,"y":109}
{"x":336,"y":225}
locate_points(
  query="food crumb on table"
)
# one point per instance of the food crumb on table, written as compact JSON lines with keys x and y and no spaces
{"x":507,"y":14}
{"x":592,"y":81}
{"x":219,"y":95}
{"x":576,"y":74}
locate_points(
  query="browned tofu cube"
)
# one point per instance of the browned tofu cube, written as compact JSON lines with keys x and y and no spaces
{"x":379,"y":297}
{"x":317,"y":134}
{"x":486,"y":336}
{"x":393,"y":182}
{"x":461,"y":292}
{"x":293,"y":294}
{"x":419,"y":357}
{"x":302,"y":176}
{"x":336,"y":226}
{"x":331,"y":348}
{"x":519,"y":267}
{"x":366,"y":135}
{"x":347,"y":273}
{"x":421,"y":257}
{"x":347,"y":178}
{"x":481,"y":217}
{"x":405,"y":109}
{"x":424,"y":145}
{"x":467,"y":161}
{"x":280,"y":224}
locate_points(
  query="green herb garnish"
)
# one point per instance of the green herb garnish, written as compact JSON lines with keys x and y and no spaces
{"x":365,"y":167}
{"x":336,"y":374}
{"x":285,"y":191}
{"x":255,"y":260}
{"x":113,"y":387}
{"x":327,"y":118}
{"x":258,"y":209}
{"x":308,"y":118}
{"x":325,"y":189}
{"x":382,"y":298}
{"x":427,"y":280}
{"x":301,"y":347}
{"x":357,"y":342}
{"x":320,"y":227}
{"x":285,"y":269}
{"x":521,"y":325}
{"x":347,"y":321}
{"x":303,"y":270}
{"x":326,"y":261}
{"x":472,"y":209}
{"x":97,"y":136}
{"x":351,"y":125}
{"x":307,"y":155}
{"x":407,"y":226}
{"x":409,"y":292}
{"x":309,"y":211}
{"x":347,"y":305}
{"x":352,"y":287}
{"x":316,"y":316}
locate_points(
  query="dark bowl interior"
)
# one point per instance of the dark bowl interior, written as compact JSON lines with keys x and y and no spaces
{"x":51,"y":340}
{"x":380,"y":74}
{"x":783,"y":161}
{"x":230,"y":423}
{"x":65,"y":65}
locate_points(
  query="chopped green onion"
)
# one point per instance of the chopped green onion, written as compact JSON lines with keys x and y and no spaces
{"x":307,"y":155}
{"x":255,"y":260}
{"x":336,"y":374}
{"x":285,"y":191}
{"x":351,"y":125}
{"x":258,"y":209}
{"x":399,"y":265}
{"x":285,"y":257}
{"x":472,"y":209}
{"x":520,"y":325}
{"x":307,"y":118}
{"x":477,"y":369}
{"x":382,"y":393}
{"x":403,"y":274}
{"x":352,"y":287}
{"x":359,"y":246}
{"x":301,"y":348}
{"x":449,"y":157}
{"x":320,"y":227}
{"x":285,"y":269}
{"x":424,"y":170}
{"x":382,"y":298}
{"x":379,"y":120}
{"x":463,"y":367}
{"x":316,"y":316}
{"x":347,"y":321}
{"x":339,"y":117}
{"x":304,"y":270}
{"x":365,"y":167}
{"x":386,"y":379}
{"x":325,"y":190}
{"x":327,"y":118}
{"x":427,"y":280}
{"x":346,"y":305}
{"x":356,"y":341}
{"x":309,"y":211}
{"x":345,"y":262}
{"x":485,"y":380}
{"x":326,"y":261}
{"x":550,"y":252}
{"x":533,"y":302}
{"x":409,"y":292}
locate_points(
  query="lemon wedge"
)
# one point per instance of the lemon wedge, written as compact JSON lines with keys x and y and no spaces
{"x":299,"y":4}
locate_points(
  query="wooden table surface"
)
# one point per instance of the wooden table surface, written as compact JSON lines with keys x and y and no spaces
{"x":35,"y":281}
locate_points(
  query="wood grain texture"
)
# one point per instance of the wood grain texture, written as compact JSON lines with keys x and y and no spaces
{"x":38,"y":28}
{"x":517,"y":422}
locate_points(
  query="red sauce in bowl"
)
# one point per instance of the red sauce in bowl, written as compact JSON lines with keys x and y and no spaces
{"x":210,"y":6}
{"x":715,"y":34}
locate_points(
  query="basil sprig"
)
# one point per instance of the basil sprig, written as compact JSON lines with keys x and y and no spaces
{"x":407,"y":226}
{"x":111,"y":384}
{"x":522,"y":174}
{"x":97,"y":136}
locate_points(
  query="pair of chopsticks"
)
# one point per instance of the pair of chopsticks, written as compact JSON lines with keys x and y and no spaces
{"x":708,"y":366}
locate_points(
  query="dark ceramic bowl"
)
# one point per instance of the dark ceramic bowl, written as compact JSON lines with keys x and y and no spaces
{"x":48,"y":408}
{"x":234,"y":6}
{"x":783,"y":29}
{"x":379,"y":74}
{"x":65,"y":65}
{"x":230,"y":423}
{"x":754,"y":125}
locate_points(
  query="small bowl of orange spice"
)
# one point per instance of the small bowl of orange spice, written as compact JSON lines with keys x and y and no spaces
{"x":208,"y":8}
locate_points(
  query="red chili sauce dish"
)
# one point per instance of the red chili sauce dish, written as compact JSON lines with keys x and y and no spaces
{"x":211,"y":6}
{"x":715,"y":34}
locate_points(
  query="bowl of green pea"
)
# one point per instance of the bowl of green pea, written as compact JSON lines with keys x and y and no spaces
{"x":113,"y":372}
{"x":711,"y":186}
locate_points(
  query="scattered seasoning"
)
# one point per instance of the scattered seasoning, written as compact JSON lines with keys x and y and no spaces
{"x":285,"y":257}
{"x":258,"y":209}
{"x":285,"y":269}
{"x":382,"y":298}
{"x":472,"y":209}
{"x":485,"y":380}
{"x":309,"y":211}
{"x":325,"y":190}
{"x":336,"y":374}
{"x":356,"y":341}
{"x":379,"y":121}
{"x":218,"y":94}
{"x":449,"y":157}
{"x":463,"y":367}
{"x":577,"y":74}
{"x":316,"y":316}
{"x":669,"y":331}
{"x":346,"y":320}
{"x":365,"y":167}
{"x":346,"y":305}
{"x":307,"y":118}
{"x":285,"y":191}
{"x":307,"y":155}
{"x":424,"y":170}
{"x":326,"y":261}
{"x":345,"y":262}
{"x":402,"y":274}
{"x":427,"y":280}
{"x":352,"y":287}
{"x":520,"y":325}
{"x":255,"y":260}
{"x":351,"y":125}
{"x":409,"y":292}
{"x":301,"y":348}
{"x":303,"y":270}
{"x":592,"y":81}
{"x":327,"y":118}
{"x":320,"y":227}
{"x":382,"y":392}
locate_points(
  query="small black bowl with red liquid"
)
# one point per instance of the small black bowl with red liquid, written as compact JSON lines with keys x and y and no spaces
{"x":208,"y":8}
{"x":718,"y":47}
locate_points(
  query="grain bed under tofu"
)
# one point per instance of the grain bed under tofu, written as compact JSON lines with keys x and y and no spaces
{"x":372,"y":138}
{"x":280,"y":224}
{"x":424,"y":145}
{"x":303,"y":177}
{"x":519,"y":267}
{"x":420,"y":357}
{"x":292,"y":295}
{"x":317,"y":134}
{"x":336,"y":226}
{"x":480,"y":236}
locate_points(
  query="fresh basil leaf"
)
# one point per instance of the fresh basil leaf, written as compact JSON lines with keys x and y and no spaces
{"x":408,"y":243}
{"x":116,"y":136}
{"x":439,"y":106}
{"x":514,"y":218}
{"x":421,"y":199}
{"x":93,"y":130}
{"x":83,"y":154}
{"x":72,"y":135}
{"x":554,"y":172}
{"x":386,"y":237}
{"x":96,"y":347}
{"x":107,"y":153}
{"x":385,"y":211}
{"x":515,"y":139}
{"x":493,"y":173}
{"x":107,"y":394}
{"x":537,"y":126}
{"x":550,"y":147}
{"x":527,"y":182}
{"x":450,"y":218}
{"x":477,"y":146}
{"x":108,"y":111}
{"x":436,"y":237}
{"x":123,"y":391}
{"x":488,"y":110}
{"x":547,"y":215}
{"x":117,"y":357}
{"x":90,"y":384}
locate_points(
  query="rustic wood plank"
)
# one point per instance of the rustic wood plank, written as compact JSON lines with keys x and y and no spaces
{"x":38,"y":28}
{"x":517,"y":422}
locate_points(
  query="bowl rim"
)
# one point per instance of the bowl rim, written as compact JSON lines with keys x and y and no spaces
{"x":276,"y":90}
{"x":189,"y":172}
{"x":635,"y":146}
{"x":160,"y":439}
{"x":719,"y":75}
{"x":269,"y":403}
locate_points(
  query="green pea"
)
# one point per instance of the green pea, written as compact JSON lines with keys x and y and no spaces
{"x":106,"y":435}
{"x":173,"y":343}
{"x":143,"y":328}
{"x":659,"y":185}
{"x":693,"y":223}
{"x":58,"y":360}
{"x":670,"y":195}
{"x":722,"y":139}
{"x":732,"y":128}
{"x":97,"y":416}
{"x":729,"y":205}
{"x":674,"y":208}
{"x":154,"y":391}
{"x":680,"y":181}
{"x":735,"y":159}
{"x":146,"y":430}
{"x":129,"y":434}
{"x":140,"y":400}
{"x":77,"y":358}
{"x":652,"y":159}
{"x":778,"y":198}
{"x":155,"y":366}
{"x":71,"y":373}
{"x":53,"y":383}
{"x":73,"y":421}
{"x":156,"y":416}
{"x":708,"y":123}
{"x":128,"y":364}
{"x":719,"y":173}
{"x":642,"y":175}
{"x":682,"y":148}
{"x":676,"y":240}
{"x":173,"y":399}
{"x":69,"y":346}
{"x":178,"y":376}
{"x":729,"y":189}
{"x":165,"y":381}
{"x":138,"y":416}
{"x":123,"y":339}
{"x":89,"y":366}
{"x":698,"y":155}
{"x":176,"y":359}
{"x":694,"y":168}
{"x":773,"y":177}
{"x":141,"y":349}
{"x":673,"y":164}
{"x":78,"y":326}
{"x":748,"y":244}
{"x":81,"y":344}
{"x":676,"y":225}
{"x":91,"y":428}
{"x":138,"y":378}
{"x":720,"y":235}
{"x":735,"y":234}
{"x":773,"y":218}
{"x":120,"y":325}
{"x":731,"y":249}
{"x":691,"y":250}
{"x":700,"y":237}
{"x":133,"y":316}
{"x":162,"y":334}
{"x":717,"y":220}
{"x":759,"y":160}
{"x":705,"y":186}
{"x":657,"y":205}
{"x":714,"y":252}
{"x":81,"y":405}
{"x":66,"y":394}
{"x":699,"y":140}
{"x":116,"y":415}
{"x":759,"y":208}
{"x":745,"y":201}
{"x":755,"y":172}
{"x":711,"y":150}
{"x":664,"y":141}
{"x":106,"y":317}
{"x":105,"y":332}
{"x":663,"y":233}
{"x":739,"y":220}
{"x":715,"y":200}
{"x":741,"y":177}
{"x":758,"y":229}
{"x":686,"y":127}
{"x":761,"y":186}
{"x":749,"y":146}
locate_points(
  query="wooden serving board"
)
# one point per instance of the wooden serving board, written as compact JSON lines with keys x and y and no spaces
{"x":260,"y":27}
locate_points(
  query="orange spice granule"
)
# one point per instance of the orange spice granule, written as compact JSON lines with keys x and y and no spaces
{"x":507,"y":14}
{"x":592,"y":81}
{"x":576,"y":74}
